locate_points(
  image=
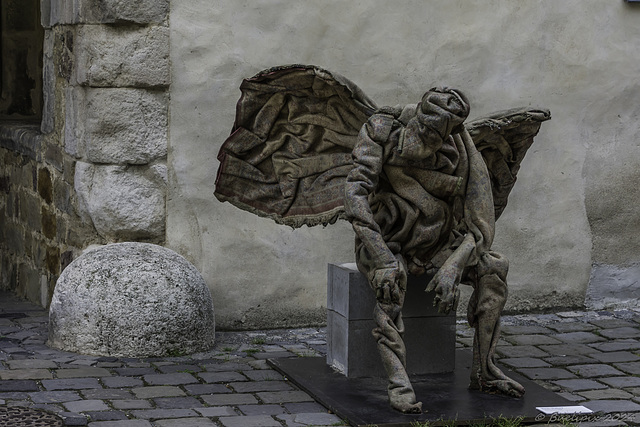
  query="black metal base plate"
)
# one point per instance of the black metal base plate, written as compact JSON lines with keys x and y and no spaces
{"x":445,"y":397}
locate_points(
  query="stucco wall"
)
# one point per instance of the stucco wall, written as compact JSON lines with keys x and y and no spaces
{"x":574,"y":201}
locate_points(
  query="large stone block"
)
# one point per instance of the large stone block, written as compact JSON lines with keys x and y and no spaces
{"x":131,"y":300}
{"x":116,"y":125}
{"x":122,"y":202}
{"x":103,"y":11}
{"x":121,"y":56}
{"x":429,"y":336}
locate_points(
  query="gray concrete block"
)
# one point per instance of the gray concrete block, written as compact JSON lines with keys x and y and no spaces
{"x":176,"y":378}
{"x":122,"y":423}
{"x":568,"y":360}
{"x":250,"y":421}
{"x":86,"y":405}
{"x":311,"y":419}
{"x":546,"y":373}
{"x":579,"y":384}
{"x":593,"y":370}
{"x":221,"y":377}
{"x":609,"y":393}
{"x":131,"y":404}
{"x":568,"y":349}
{"x":206,"y":388}
{"x":580,"y":337}
{"x":621,"y":333}
{"x":54,"y":396}
{"x":615,"y":357}
{"x":271,"y":409}
{"x":157,"y":391}
{"x":107,"y":394}
{"x":163,"y":413}
{"x":617,"y":345}
{"x":216,"y":411}
{"x":612,"y":406}
{"x":429,"y":336}
{"x":621,"y":382}
{"x":349,"y":294}
{"x":531,"y":339}
{"x":525,"y":362}
{"x":632,"y":368}
{"x":106,"y":415}
{"x":82,"y":372}
{"x":186,"y":422}
{"x":284,"y":396}
{"x":31,"y":364}
{"x":254,"y":386}
{"x":177,"y":402}
{"x":118,"y":382}
{"x":231,"y":399}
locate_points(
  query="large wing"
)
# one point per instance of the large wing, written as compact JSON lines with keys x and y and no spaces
{"x":290,"y":148}
{"x":503,"y":139}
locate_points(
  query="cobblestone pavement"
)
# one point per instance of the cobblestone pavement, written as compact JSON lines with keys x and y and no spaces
{"x":590,"y":358}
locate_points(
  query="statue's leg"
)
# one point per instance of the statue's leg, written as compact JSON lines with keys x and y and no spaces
{"x":388,"y":335}
{"x":490,"y":295}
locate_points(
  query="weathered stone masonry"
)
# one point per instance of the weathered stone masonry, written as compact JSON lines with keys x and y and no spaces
{"x":94,"y":169}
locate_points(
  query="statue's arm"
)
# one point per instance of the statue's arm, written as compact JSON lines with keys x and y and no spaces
{"x":368,"y":158}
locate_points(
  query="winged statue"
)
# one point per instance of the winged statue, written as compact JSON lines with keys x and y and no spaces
{"x":421,"y":187}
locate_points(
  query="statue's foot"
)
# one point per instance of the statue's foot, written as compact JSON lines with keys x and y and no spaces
{"x":404,"y":400}
{"x":407,"y":408}
{"x":505,"y":386}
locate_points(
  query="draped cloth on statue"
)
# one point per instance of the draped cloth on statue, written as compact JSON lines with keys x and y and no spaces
{"x":290,"y":149}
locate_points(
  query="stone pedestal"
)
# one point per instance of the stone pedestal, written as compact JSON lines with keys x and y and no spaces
{"x":352,"y":350}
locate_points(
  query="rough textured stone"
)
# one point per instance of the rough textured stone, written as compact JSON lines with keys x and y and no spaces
{"x":170,"y":379}
{"x":124,"y":125}
{"x":186,"y":422}
{"x":230,"y":399}
{"x":612,"y":406}
{"x":86,"y":405}
{"x":124,"y":203}
{"x":285,"y":397}
{"x":594,"y":370}
{"x":157,"y":391}
{"x":108,"y":11}
{"x":104,"y":11}
{"x":123,"y":56}
{"x":131,"y":299}
{"x":163,"y":413}
{"x":311,"y":419}
{"x":580,"y":384}
{"x":250,"y":421}
{"x":613,"y":285}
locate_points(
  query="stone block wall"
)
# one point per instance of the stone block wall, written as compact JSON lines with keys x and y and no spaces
{"x":115,"y":91}
{"x":92,"y":170}
{"x":40,"y":230}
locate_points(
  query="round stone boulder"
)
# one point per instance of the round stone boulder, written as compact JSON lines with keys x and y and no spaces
{"x":131,"y":300}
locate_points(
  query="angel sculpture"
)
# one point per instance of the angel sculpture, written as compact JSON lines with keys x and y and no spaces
{"x":421,"y":188}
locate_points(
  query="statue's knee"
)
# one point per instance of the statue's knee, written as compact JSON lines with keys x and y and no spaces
{"x":493,"y":263}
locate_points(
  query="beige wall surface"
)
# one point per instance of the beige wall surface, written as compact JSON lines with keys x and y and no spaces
{"x":574,"y":203}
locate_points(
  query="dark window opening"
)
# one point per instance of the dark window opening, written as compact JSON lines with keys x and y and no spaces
{"x":21,"y":40}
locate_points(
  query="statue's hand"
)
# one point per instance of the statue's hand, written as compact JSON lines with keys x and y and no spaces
{"x":445,"y":283}
{"x":386,"y":285}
